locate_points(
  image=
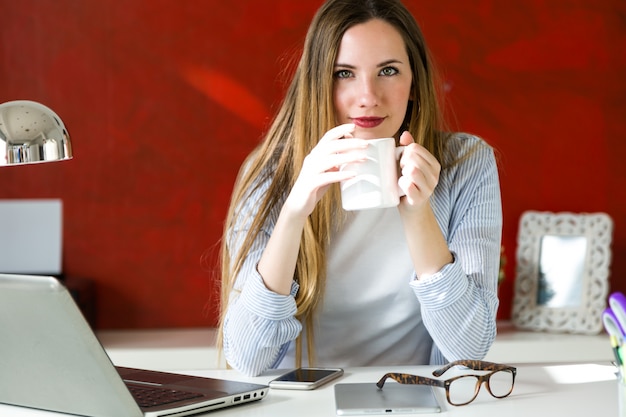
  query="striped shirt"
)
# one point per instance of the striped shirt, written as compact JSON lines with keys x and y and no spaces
{"x":375,"y":311}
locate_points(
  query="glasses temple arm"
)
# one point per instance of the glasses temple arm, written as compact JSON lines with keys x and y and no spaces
{"x":409,"y":379}
{"x":476,"y":365}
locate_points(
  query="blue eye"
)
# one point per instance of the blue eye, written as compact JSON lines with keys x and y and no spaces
{"x":388,"y":71}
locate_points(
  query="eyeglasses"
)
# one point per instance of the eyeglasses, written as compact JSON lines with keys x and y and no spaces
{"x":463,"y":389}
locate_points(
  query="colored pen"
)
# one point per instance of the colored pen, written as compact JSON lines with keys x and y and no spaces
{"x":616,"y":334}
{"x":617,"y":302}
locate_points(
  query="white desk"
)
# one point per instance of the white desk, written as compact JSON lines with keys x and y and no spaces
{"x":570,"y":390}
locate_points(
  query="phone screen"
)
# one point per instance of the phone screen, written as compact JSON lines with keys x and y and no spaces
{"x":306,"y":378}
{"x":307,"y":375}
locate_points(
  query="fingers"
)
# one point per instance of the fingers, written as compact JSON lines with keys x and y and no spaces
{"x":321,"y":167}
{"x":416,"y":158}
{"x":336,"y":148}
{"x":338,"y":132}
{"x":420,"y":172}
{"x":406,"y":138}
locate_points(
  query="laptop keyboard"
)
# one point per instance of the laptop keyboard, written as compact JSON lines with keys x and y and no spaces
{"x":155,"y":396}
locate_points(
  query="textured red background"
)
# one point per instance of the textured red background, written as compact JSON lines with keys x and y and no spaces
{"x":164,"y":98}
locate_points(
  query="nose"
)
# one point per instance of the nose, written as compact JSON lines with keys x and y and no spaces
{"x":367,"y":92}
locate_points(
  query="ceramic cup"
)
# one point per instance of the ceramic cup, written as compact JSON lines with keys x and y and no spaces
{"x":376,"y":182}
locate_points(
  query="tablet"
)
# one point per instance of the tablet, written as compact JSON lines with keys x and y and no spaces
{"x":366,"y":399}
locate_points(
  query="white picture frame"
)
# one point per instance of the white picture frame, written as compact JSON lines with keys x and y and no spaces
{"x":562,"y":271}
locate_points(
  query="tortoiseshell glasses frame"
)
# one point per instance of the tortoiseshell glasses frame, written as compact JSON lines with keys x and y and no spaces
{"x":509,"y":372}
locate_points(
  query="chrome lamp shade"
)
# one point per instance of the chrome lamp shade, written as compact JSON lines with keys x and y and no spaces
{"x":31,"y":133}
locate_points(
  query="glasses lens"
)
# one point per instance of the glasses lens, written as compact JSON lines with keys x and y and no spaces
{"x":501,"y":383}
{"x":463,"y":390}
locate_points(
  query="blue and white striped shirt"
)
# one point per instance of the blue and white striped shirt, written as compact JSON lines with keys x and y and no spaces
{"x":375,"y":311}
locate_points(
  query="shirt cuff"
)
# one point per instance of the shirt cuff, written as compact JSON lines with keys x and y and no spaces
{"x":443,"y":288}
{"x":267,"y":304}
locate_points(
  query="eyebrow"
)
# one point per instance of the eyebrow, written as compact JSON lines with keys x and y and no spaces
{"x":382,"y":64}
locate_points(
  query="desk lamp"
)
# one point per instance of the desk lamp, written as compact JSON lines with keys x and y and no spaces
{"x":31,"y":133}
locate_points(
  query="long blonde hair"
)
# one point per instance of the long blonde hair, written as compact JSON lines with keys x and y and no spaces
{"x":307,"y":113}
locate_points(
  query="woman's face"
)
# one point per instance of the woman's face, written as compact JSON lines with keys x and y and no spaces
{"x":372,"y":79}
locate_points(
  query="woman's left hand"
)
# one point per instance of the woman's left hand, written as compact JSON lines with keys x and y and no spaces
{"x":419,"y":173}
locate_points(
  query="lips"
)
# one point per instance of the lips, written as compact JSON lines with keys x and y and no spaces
{"x":367,"y":122}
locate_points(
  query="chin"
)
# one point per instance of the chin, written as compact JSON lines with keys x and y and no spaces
{"x":370,"y":134}
{"x":375,"y":133}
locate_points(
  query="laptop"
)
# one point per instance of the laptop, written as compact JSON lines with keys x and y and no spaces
{"x":357,"y":399}
{"x":50,"y":359}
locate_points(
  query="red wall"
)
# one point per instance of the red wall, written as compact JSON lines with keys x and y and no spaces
{"x":164,"y":98}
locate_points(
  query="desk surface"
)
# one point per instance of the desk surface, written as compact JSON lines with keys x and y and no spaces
{"x":540,"y":390}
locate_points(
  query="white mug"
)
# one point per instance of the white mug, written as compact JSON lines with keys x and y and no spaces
{"x":376,"y":182}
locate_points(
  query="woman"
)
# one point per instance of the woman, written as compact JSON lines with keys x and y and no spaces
{"x":304,"y":282}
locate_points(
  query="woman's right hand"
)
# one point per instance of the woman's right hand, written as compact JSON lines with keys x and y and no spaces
{"x":321,"y":168}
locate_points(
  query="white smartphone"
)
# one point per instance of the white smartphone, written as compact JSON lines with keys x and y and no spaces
{"x":306,"y":378}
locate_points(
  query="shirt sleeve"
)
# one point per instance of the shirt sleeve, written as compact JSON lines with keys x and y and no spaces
{"x":459,"y":303}
{"x":259,"y":323}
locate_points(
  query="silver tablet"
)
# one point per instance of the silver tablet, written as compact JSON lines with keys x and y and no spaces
{"x":366,"y":399}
